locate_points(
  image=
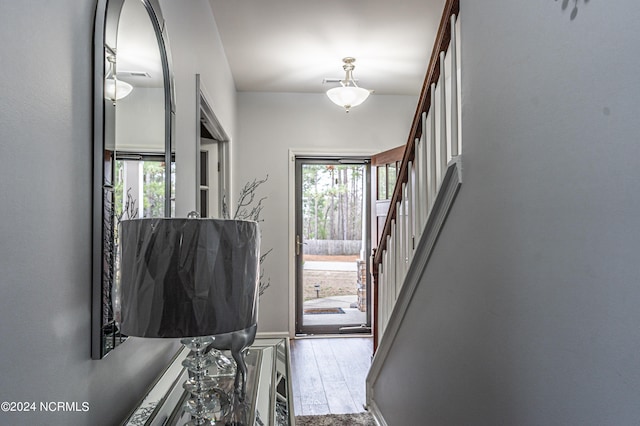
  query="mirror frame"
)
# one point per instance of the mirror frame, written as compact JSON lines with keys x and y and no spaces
{"x":105,"y":36}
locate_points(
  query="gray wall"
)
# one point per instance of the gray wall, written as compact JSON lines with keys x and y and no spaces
{"x":273,"y":123}
{"x":527,"y":313}
{"x":45,"y":212}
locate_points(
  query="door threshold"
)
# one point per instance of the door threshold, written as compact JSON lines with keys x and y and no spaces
{"x":331,"y":336}
{"x":359,"y":329}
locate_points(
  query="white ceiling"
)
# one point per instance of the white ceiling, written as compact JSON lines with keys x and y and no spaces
{"x":292,"y":45}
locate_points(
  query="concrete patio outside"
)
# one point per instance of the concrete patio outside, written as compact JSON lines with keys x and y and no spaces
{"x":351,"y":315}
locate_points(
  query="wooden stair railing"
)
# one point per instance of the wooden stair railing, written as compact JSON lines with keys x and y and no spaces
{"x":422,"y":169}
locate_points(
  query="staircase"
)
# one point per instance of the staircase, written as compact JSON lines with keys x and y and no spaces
{"x":428,"y":181}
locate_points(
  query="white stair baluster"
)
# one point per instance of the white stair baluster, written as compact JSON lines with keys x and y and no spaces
{"x":424,"y":211}
{"x":454,"y":89}
{"x":432,"y":184}
{"x":393,"y":273}
{"x":381,"y":287}
{"x":417,"y":185}
{"x":410,"y":217}
{"x":442,"y":106}
{"x":398,"y":246}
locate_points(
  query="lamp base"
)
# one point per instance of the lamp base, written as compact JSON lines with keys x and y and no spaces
{"x":208,"y":403}
{"x":209,"y":409}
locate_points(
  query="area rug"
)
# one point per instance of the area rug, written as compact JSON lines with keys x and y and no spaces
{"x":357,"y":419}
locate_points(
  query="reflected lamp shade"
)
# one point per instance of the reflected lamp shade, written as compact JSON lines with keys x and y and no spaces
{"x":116,"y":89}
{"x":187,"y":277}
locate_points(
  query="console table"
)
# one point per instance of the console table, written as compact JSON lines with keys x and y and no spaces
{"x":268,"y":401}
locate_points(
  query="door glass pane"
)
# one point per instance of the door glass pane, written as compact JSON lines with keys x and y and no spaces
{"x":391,"y":183}
{"x":382,"y":183}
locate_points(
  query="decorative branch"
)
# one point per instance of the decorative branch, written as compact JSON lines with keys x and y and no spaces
{"x":129,"y":209}
{"x":246,"y":211}
{"x":112,"y":220}
{"x":263,"y":284}
{"x":247,"y":197}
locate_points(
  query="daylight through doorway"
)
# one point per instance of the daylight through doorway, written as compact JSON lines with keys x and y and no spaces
{"x":332,"y":246}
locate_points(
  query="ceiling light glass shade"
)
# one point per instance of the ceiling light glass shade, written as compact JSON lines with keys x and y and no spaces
{"x":116,"y":89}
{"x":348,"y":96}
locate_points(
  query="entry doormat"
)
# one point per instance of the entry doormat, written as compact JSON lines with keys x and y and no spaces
{"x":316,"y":311}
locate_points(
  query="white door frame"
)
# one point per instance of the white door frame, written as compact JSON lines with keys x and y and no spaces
{"x":205,"y":115}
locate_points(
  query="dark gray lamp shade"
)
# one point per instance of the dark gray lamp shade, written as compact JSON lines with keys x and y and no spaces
{"x":187,"y":277}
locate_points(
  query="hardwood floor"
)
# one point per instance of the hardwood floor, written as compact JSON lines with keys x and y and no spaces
{"x":329,"y":374}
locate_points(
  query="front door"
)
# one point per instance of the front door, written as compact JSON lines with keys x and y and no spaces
{"x":333,"y":245}
{"x":385,"y":165}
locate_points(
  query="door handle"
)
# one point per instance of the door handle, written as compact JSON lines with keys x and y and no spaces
{"x":298,"y":244}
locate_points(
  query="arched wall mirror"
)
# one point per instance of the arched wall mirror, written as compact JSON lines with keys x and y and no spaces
{"x":134,"y":156}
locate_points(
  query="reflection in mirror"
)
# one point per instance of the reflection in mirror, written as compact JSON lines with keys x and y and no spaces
{"x":133,"y":129}
{"x":283,"y":411}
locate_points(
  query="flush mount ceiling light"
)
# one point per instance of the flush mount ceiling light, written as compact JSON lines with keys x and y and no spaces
{"x":348,"y":94}
{"x":115,"y":89}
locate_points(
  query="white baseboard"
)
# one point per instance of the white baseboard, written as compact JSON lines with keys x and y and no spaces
{"x":377,"y":415}
{"x":272,"y":335}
